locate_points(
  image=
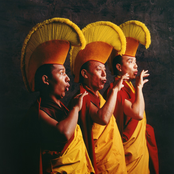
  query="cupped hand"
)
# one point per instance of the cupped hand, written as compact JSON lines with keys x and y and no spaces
{"x":139,"y":79}
{"x":118,"y":84}
{"x":78,"y":100}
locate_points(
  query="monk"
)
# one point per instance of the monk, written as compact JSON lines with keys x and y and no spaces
{"x":138,"y":137}
{"x":59,"y":146}
{"x":63,"y":148}
{"x":98,"y":125}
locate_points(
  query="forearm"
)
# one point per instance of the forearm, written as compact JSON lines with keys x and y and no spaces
{"x":107,"y":110}
{"x":68,"y":125}
{"x":139,"y":105}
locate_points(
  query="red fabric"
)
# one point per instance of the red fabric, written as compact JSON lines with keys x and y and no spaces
{"x":86,"y":123}
{"x":126,"y":125}
{"x":32,"y":136}
{"x":40,"y":158}
{"x":58,"y":113}
{"x":152,"y":147}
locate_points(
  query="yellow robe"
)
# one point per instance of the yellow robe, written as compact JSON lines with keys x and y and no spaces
{"x":74,"y":160}
{"x":136,"y":152}
{"x":108,"y":147}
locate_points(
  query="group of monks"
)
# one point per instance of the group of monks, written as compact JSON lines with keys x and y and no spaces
{"x":94,"y":133}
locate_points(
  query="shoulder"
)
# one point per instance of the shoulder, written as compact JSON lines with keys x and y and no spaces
{"x":106,"y":92}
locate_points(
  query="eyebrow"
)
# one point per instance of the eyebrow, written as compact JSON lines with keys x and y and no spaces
{"x":61,"y":69}
{"x":131,"y":58}
{"x":99,"y":66}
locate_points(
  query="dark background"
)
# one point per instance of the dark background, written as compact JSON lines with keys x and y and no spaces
{"x":17,"y":17}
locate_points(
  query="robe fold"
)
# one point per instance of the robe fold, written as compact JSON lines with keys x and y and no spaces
{"x":57,"y":155}
{"x":104,"y":143}
{"x":139,"y":142}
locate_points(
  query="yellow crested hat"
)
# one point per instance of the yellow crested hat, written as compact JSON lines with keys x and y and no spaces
{"x":48,"y":43}
{"x":135,"y":32}
{"x":101,"y":37}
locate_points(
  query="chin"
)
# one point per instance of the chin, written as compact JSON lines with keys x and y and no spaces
{"x":101,"y":87}
{"x":63,"y":95}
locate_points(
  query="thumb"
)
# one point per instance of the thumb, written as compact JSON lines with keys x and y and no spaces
{"x":84,"y":94}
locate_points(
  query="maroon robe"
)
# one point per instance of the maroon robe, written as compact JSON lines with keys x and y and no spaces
{"x":33,"y":142}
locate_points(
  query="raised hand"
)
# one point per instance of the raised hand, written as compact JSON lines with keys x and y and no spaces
{"x":118,"y":84}
{"x":139,"y":79}
{"x":78,"y":100}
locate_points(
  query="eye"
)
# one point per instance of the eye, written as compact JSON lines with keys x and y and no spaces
{"x":130,"y":61}
{"x":62,"y":72}
{"x":98,"y":69}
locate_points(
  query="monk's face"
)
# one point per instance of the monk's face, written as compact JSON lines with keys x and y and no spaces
{"x":59,"y":82}
{"x":96,"y":75}
{"x":129,"y":66}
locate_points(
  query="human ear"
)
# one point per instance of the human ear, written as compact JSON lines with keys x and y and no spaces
{"x":84,"y":73}
{"x":45,"y":79}
{"x":118,"y":67}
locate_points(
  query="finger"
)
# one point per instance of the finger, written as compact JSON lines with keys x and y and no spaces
{"x":146,"y":71}
{"x":85,"y":93}
{"x":145,"y":81}
{"x":146,"y":75}
{"x":78,"y":95}
{"x":125,"y":76}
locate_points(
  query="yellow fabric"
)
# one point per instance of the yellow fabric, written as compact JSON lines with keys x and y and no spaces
{"x":101,"y":31}
{"x":136,"y":151}
{"x":108,"y":147}
{"x":75,"y":159}
{"x":107,"y":32}
{"x":135,"y":32}
{"x":130,"y":86}
{"x":132,"y":46}
{"x":51,"y":29}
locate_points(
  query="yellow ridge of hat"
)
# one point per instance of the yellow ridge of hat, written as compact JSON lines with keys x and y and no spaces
{"x":48,"y":43}
{"x":101,"y":37}
{"x":135,"y":32}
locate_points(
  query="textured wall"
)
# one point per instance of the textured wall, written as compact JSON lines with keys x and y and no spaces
{"x":17,"y":17}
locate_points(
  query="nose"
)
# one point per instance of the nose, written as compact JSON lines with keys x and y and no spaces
{"x":104,"y":73}
{"x":135,"y":65}
{"x":67,"y":79}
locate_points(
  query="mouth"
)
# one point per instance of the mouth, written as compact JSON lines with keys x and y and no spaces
{"x":136,"y":72}
{"x":103,"y":81}
{"x":67,"y":87}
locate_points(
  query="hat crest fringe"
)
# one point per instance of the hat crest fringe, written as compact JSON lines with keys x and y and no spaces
{"x":103,"y":37}
{"x":97,"y":32}
{"x":138,"y":31}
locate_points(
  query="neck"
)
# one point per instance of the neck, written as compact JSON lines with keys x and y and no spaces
{"x":52,"y":98}
{"x":95,"y":92}
{"x":119,"y":76}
